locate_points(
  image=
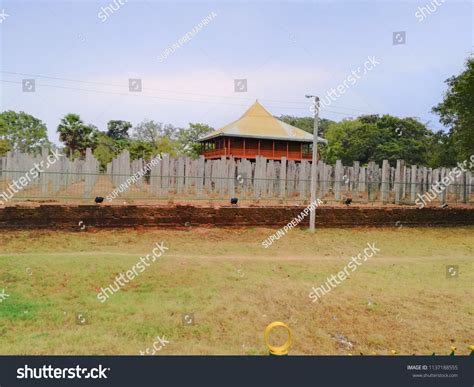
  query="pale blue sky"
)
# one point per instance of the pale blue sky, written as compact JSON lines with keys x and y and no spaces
{"x":283,"y":49}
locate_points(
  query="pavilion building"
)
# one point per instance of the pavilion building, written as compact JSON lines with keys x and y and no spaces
{"x":258,"y":133}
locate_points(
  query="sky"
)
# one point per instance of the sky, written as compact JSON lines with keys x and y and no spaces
{"x":386,"y":57}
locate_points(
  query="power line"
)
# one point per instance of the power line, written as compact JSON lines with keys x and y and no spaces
{"x":147,"y":88}
{"x":163,"y":98}
{"x":177,"y":92}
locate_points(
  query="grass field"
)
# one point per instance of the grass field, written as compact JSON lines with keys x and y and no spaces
{"x":400,"y":299}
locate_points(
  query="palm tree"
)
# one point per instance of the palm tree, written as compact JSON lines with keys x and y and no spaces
{"x":76,"y":135}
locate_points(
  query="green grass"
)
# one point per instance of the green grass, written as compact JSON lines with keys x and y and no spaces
{"x":399,"y":299}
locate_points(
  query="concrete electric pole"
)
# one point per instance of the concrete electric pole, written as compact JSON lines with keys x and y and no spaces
{"x":312,"y":215}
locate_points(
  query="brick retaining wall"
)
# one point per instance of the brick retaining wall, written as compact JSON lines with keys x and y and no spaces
{"x":69,"y":216}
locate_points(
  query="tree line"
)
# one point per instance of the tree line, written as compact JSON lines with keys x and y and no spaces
{"x":23,"y":132}
{"x":364,"y":138}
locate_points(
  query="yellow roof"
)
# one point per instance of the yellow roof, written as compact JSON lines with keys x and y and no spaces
{"x":257,"y":122}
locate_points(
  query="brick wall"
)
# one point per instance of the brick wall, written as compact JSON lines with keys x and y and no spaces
{"x":68,"y":217}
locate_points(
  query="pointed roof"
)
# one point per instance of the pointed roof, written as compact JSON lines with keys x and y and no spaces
{"x":257,"y":122}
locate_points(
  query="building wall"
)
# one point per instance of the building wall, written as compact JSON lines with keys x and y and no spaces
{"x":268,"y":148}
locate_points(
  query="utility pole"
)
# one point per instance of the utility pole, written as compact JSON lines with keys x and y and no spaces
{"x":312,"y":215}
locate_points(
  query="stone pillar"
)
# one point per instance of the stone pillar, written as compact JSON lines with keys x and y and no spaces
{"x":290,"y":178}
{"x":337,"y":180}
{"x":260,"y":169}
{"x":355,"y":178}
{"x":200,"y":176}
{"x":180,"y":175}
{"x":283,"y":177}
{"x":413,"y":183}
{"x":371,"y":181}
{"x":165,"y":177}
{"x":271,"y":178}
{"x":444,"y":192}
{"x":302,"y":178}
{"x":230,"y":176}
{"x":399,"y":181}
{"x":463,"y":187}
{"x":385,"y":186}
{"x":45,"y":176}
{"x":362,"y":180}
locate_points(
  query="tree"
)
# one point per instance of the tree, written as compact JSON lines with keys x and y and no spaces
{"x":402,"y":138}
{"x":141,"y":150}
{"x":442,"y":151}
{"x":375,"y":138}
{"x":350,"y":140}
{"x":306,"y":123}
{"x":151,"y":131}
{"x":457,"y":110}
{"x":76,"y":135}
{"x":4,"y":147}
{"x":188,"y":139}
{"x":118,"y":129}
{"x":159,"y":138}
{"x":165,"y":145}
{"x":23,"y":132}
{"x":105,"y":150}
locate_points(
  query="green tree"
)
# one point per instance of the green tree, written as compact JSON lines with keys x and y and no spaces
{"x":188,"y":139}
{"x":118,"y":129}
{"x":350,"y":140}
{"x":23,"y":132}
{"x":151,"y":138}
{"x":165,"y":145}
{"x":456,"y":111}
{"x":307,"y":123}
{"x":375,"y":138}
{"x":76,"y":135}
{"x":105,"y":150}
{"x":402,"y":138}
{"x":151,"y":131}
{"x":141,"y":150}
{"x":4,"y":147}
{"x":442,"y":151}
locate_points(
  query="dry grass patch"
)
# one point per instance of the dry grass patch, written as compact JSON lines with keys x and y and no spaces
{"x":400,"y":299}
